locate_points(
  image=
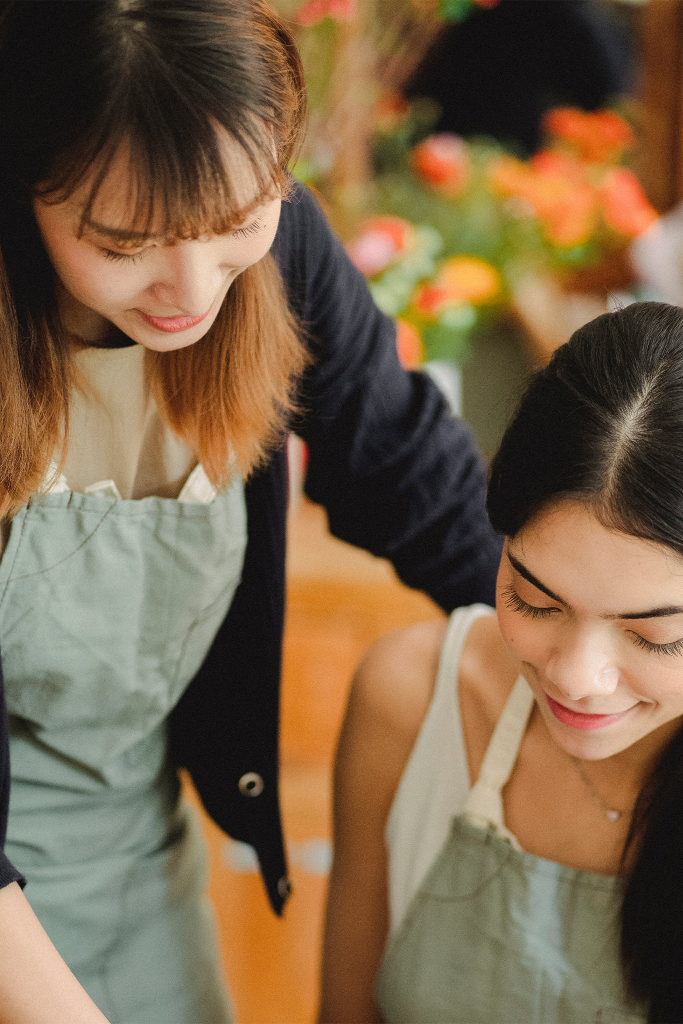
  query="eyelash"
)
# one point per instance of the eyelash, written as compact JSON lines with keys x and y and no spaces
{"x":515,"y":603}
{"x":124,"y":257}
{"x":251,"y":230}
{"x":673,"y":648}
{"x":133,"y":257}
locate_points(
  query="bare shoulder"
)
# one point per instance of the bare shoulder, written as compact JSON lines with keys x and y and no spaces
{"x":486,"y":676}
{"x":389,"y":698}
{"x":395,"y":680}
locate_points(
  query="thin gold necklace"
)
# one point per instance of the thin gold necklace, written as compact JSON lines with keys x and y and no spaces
{"x":613,"y":813}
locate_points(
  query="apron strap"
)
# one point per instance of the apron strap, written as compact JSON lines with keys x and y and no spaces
{"x":484,"y":804}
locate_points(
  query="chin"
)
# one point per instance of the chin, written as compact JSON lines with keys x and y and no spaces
{"x":589,"y":745}
{"x":168,"y":343}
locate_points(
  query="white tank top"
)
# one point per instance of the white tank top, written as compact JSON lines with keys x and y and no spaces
{"x":435,"y":783}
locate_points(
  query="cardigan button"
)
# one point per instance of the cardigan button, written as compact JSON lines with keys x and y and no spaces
{"x":284,"y":887}
{"x":251,"y":784}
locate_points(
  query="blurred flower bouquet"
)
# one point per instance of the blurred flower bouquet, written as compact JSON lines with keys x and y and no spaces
{"x":353,"y":51}
{"x":462,"y":222}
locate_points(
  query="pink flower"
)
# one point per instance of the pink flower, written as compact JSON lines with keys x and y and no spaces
{"x":381,"y":241}
{"x":314,"y":11}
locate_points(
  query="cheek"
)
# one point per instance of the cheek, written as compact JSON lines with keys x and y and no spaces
{"x":526,"y":638}
{"x":519,"y":634}
{"x":93,"y":281}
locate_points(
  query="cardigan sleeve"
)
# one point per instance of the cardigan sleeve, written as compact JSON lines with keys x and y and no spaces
{"x":8,"y":873}
{"x":397,"y":473}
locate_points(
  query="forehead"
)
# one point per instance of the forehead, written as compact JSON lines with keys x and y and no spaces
{"x":122,"y":197}
{"x":591,"y":566}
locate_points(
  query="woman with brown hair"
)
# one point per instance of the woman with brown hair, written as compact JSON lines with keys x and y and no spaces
{"x":171,"y":303}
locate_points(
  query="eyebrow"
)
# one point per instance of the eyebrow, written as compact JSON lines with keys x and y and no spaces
{"x":652,"y":613}
{"x":529,"y":576}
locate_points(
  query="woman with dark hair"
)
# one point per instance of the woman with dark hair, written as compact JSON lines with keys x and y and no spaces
{"x":509,"y":786}
{"x":171,"y":302}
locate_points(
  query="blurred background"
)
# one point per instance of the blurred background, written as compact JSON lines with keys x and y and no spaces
{"x":501,"y":171}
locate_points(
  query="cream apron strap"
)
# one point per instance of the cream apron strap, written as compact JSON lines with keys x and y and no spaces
{"x":484,"y":804}
{"x":451,"y":650}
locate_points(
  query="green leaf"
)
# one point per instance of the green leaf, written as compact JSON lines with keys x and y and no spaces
{"x":443,"y":342}
{"x":455,"y":10}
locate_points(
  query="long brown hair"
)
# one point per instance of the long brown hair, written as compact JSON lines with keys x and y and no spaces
{"x":78,"y":82}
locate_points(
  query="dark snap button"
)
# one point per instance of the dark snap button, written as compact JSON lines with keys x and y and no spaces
{"x":284,"y":887}
{"x":251,"y":784}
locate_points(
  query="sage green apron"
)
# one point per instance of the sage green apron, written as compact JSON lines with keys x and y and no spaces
{"x":107,"y":609}
{"x":495,"y":935}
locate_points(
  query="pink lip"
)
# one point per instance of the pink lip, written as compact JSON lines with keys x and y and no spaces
{"x":173,"y":323}
{"x":577,"y":720}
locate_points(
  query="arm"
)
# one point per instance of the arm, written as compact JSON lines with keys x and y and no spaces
{"x":36,"y":986}
{"x":397,"y":473}
{"x":389,"y":698}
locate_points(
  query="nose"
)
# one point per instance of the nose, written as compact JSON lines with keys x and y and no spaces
{"x":189,"y":278}
{"x":582,"y":666}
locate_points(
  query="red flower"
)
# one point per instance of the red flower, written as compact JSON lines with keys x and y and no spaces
{"x":431,"y":299}
{"x":314,"y":11}
{"x":442,"y":161}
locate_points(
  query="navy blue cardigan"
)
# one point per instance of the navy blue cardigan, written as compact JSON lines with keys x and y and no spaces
{"x":397,"y":474}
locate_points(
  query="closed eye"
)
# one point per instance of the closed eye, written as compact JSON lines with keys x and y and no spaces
{"x":675,"y":647}
{"x":515,"y":603}
{"x":127,"y":257}
{"x":251,"y":229}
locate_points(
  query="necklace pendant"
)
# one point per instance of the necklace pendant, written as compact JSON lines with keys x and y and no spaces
{"x":613,"y":815}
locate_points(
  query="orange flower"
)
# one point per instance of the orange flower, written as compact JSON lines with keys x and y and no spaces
{"x":626,"y":209}
{"x":409,"y":345}
{"x":559,"y":165}
{"x":509,"y":175}
{"x":380,"y":242}
{"x":555,"y":188}
{"x":572,"y":218}
{"x":599,"y":136}
{"x":460,"y":279}
{"x":314,"y":11}
{"x":442,"y":161}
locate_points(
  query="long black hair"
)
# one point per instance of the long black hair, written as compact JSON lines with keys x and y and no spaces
{"x":603,"y":423}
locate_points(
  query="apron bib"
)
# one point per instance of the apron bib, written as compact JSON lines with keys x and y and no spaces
{"x":107,"y":610}
{"x":495,"y":935}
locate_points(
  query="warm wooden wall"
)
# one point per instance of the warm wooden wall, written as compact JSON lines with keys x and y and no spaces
{"x":661,"y":46}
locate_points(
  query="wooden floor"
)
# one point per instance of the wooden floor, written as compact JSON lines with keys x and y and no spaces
{"x":339,"y":600}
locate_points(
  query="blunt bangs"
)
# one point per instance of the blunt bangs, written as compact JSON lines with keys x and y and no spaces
{"x":177,"y":188}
